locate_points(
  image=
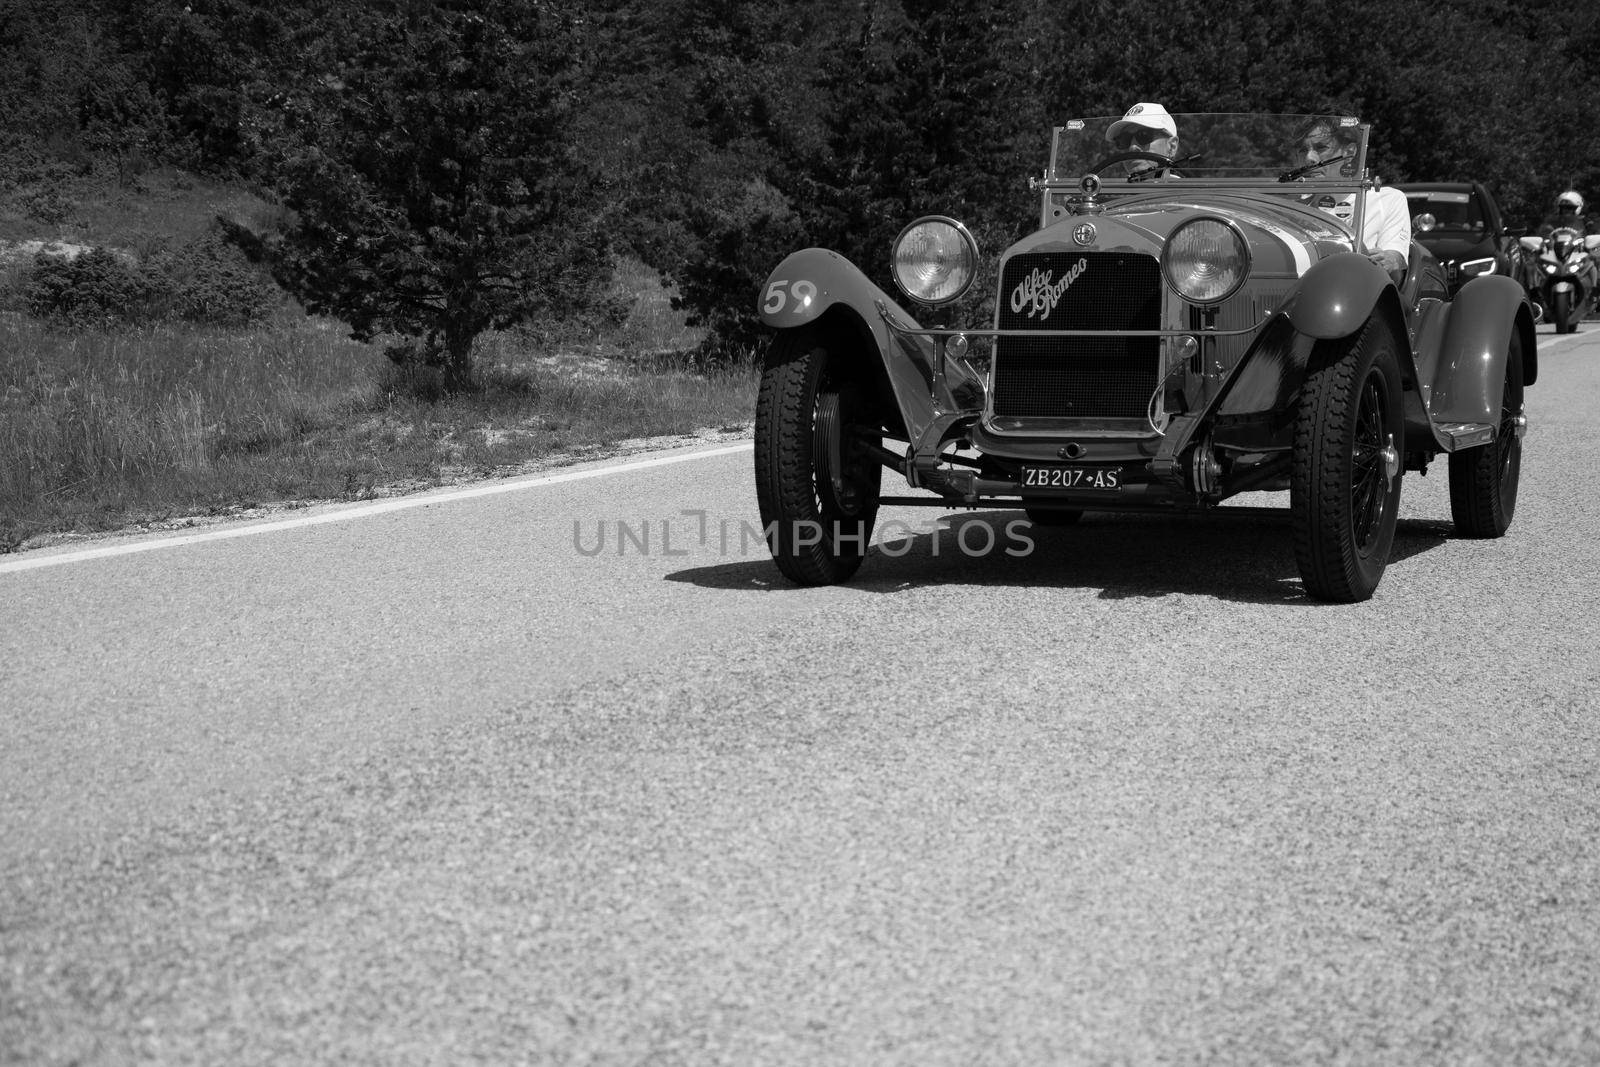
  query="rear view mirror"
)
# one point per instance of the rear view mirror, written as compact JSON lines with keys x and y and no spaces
{"x":1592,"y":242}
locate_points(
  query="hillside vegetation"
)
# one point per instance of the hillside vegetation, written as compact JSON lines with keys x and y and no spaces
{"x":241,"y":238}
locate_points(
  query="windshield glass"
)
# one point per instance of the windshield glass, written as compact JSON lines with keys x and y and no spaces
{"x":1228,"y":148}
{"x":1448,"y":212}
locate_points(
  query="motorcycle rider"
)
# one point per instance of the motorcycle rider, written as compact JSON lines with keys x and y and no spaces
{"x":1560,"y":276}
{"x":1568,"y":215}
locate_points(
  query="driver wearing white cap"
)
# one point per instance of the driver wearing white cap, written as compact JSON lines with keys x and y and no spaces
{"x":1145,"y":128}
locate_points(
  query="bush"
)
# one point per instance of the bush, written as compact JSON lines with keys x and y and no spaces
{"x":210,"y":281}
{"x":47,"y":204}
{"x":207,"y":282}
{"x":96,"y":289}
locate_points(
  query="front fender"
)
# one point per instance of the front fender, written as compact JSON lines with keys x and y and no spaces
{"x":809,"y":282}
{"x":1334,"y":299}
{"x":821,"y":289}
{"x":1336,"y":296}
{"x":1470,"y":374}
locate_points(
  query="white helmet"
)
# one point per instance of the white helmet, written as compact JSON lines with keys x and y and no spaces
{"x":1572,"y":199}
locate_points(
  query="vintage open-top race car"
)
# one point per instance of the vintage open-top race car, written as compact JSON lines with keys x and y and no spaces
{"x":1175,"y":332}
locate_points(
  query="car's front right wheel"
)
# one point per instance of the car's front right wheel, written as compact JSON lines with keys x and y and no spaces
{"x":1344,"y":484}
{"x":816,"y":485}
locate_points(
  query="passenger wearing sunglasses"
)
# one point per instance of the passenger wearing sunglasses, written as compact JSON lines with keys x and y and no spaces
{"x":1329,"y":151}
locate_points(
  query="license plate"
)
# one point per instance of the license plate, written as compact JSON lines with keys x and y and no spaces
{"x":1092,"y":479}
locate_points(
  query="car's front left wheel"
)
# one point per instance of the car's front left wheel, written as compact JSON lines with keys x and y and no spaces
{"x":1344,"y":485}
{"x":816,"y":485}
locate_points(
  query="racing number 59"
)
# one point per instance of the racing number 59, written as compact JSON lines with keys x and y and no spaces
{"x":802,"y":293}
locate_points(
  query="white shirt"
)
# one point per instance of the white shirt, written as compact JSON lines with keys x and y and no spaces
{"x":1387,"y":223}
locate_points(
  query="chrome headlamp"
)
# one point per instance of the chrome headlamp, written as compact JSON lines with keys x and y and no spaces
{"x":1474,"y":267}
{"x":1206,"y":260}
{"x":935,"y":260}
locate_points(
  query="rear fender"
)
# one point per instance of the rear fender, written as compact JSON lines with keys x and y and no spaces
{"x":821,"y":290}
{"x":1470,"y":375}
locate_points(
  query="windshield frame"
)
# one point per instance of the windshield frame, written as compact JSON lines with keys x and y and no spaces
{"x":1268,"y":146}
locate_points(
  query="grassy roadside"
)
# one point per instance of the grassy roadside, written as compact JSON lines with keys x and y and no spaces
{"x":100,"y":431}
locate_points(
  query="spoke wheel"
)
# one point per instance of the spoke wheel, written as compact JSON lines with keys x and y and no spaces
{"x":1344,"y":485}
{"x":816,"y":488}
{"x":1483,"y":480}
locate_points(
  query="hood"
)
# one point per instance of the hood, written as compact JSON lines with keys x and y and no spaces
{"x":1447,"y":247}
{"x":1284,"y":237}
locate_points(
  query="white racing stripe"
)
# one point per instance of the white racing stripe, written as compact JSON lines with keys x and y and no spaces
{"x":361,"y":511}
{"x":1297,"y":247}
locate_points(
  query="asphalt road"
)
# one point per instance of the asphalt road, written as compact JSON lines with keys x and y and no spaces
{"x":477,"y":778}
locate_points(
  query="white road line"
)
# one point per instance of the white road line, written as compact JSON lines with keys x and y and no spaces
{"x":1551,"y":340}
{"x":57,"y":559}
{"x":361,"y":511}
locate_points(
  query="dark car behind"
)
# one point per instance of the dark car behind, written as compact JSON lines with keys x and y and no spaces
{"x":1460,"y":223}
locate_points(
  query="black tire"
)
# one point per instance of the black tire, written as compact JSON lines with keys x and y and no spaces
{"x":1483,"y":480}
{"x":1560,"y":310}
{"x":818,"y":535}
{"x":1053,"y":516}
{"x":1344,"y":483}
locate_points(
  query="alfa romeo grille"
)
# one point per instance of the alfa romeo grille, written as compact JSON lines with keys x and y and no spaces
{"x":1078,"y":377}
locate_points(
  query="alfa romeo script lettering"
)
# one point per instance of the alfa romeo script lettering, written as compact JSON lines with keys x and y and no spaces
{"x":1040,"y":293}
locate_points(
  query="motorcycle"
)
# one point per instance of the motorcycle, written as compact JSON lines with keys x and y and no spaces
{"x":1562,"y":276}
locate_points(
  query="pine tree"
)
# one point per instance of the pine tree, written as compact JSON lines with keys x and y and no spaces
{"x":437,"y":188}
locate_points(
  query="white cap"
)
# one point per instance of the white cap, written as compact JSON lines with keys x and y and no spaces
{"x":1150,"y":116}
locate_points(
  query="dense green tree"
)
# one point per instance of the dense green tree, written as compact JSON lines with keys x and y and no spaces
{"x":47,"y":52}
{"x":211,"y":63}
{"x":885,"y":111}
{"x":120,"y":119}
{"x":420,"y":141}
{"x":437,"y":190}
{"x":696,"y":103}
{"x":926,"y":107}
